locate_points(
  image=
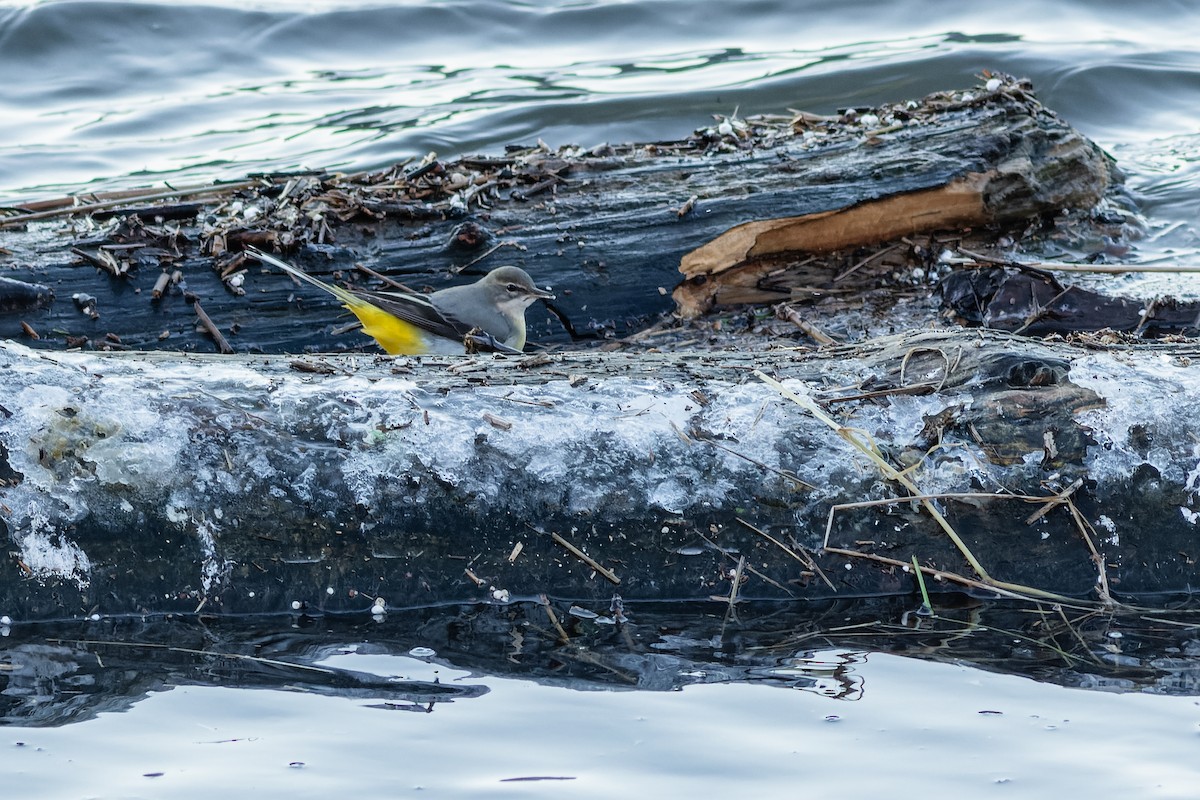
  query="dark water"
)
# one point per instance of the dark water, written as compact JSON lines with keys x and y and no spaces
{"x":104,"y":95}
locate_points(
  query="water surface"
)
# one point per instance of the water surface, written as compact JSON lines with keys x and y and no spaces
{"x":105,"y":95}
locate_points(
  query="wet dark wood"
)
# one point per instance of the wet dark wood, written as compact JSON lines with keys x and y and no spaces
{"x":1036,"y":303}
{"x":603,"y":227}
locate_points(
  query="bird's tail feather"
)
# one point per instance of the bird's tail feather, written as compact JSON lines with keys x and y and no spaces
{"x":392,"y":333}
{"x":341,"y":294}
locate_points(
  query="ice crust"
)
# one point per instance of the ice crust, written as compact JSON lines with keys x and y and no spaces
{"x":200,"y":448}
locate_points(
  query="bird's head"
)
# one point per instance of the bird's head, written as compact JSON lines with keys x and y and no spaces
{"x":511,"y":287}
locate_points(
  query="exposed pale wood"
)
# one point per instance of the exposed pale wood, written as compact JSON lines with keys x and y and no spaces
{"x":959,"y":203}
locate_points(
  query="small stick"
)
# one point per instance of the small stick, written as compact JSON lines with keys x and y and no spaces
{"x":218,"y":337}
{"x":912,"y":388}
{"x":378,"y":276}
{"x":485,"y":254}
{"x":104,"y":261}
{"x":891,"y":501}
{"x":790,"y":476}
{"x":812,"y":331}
{"x":1174,"y":622}
{"x":1087,"y":531}
{"x":585,"y":558}
{"x":851,"y":270}
{"x":88,"y":208}
{"x":1106,"y":269}
{"x":475,"y":579}
{"x":498,"y":423}
{"x":160,"y":285}
{"x":1055,"y":500}
{"x":737,"y":581}
{"x":806,"y":560}
{"x":950,"y":576}
{"x":1041,"y":312}
{"x":207,"y":653}
{"x":562,"y":634}
{"x":516,"y":551}
{"x":926,"y":606}
{"x":769,"y":580}
{"x":1078,"y":637}
{"x":538,"y":187}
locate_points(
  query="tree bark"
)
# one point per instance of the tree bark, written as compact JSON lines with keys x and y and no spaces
{"x":736,"y":207}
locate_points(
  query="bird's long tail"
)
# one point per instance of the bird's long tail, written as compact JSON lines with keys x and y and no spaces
{"x":394,"y":335}
{"x":341,"y":294}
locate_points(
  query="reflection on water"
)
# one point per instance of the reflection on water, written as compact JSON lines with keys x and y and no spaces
{"x":55,"y":674}
{"x":698,"y":702}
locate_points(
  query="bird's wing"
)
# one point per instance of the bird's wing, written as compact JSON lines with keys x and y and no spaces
{"x":416,"y":310}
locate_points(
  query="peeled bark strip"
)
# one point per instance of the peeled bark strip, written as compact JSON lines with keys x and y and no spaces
{"x":176,"y":483}
{"x":1028,"y":165}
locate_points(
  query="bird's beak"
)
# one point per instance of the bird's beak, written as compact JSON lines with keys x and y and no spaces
{"x":542,"y":294}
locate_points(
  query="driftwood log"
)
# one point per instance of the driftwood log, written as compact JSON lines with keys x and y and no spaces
{"x":175,"y":483}
{"x":758,"y":210}
{"x":138,"y":482}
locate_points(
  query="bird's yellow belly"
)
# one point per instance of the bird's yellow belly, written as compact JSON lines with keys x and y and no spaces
{"x":398,"y":337}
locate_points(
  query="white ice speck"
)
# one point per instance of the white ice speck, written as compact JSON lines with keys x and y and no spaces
{"x":49,"y":559}
{"x":1192,"y":483}
{"x":993,"y":84}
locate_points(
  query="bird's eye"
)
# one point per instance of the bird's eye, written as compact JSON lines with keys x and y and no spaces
{"x":512,"y":288}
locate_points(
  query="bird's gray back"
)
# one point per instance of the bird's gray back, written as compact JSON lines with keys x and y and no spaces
{"x":471,"y":306}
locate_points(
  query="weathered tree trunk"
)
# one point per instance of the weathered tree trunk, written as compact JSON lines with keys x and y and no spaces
{"x":161,"y":483}
{"x":609,"y":229}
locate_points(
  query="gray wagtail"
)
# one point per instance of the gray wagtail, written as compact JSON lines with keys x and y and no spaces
{"x":489,"y":313}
